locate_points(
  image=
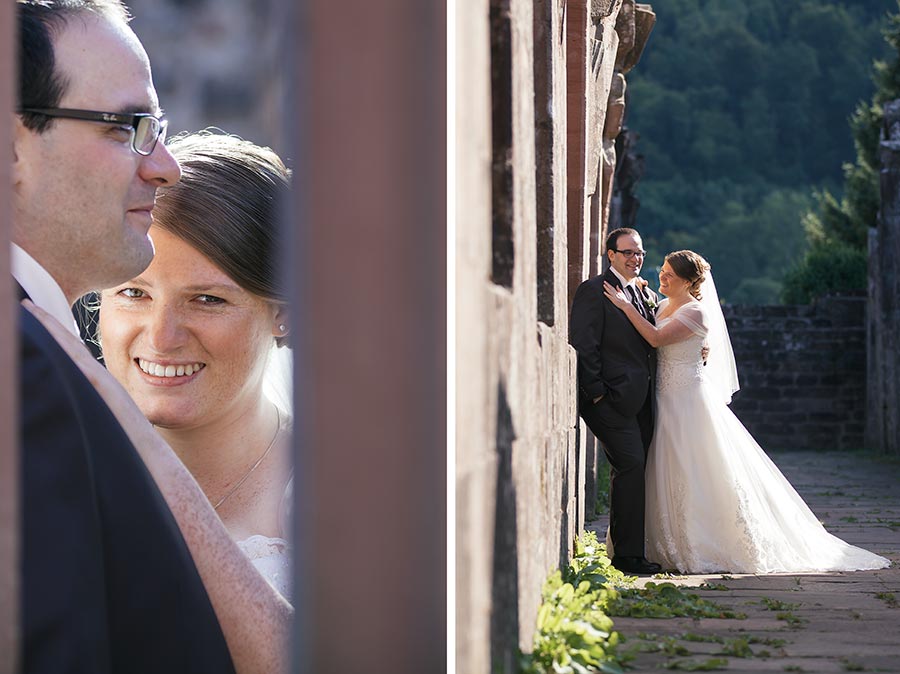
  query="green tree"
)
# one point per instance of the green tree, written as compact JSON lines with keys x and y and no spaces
{"x":837,"y":228}
{"x":736,"y":102}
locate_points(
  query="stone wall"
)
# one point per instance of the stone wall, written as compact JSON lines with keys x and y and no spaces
{"x":802,"y":371}
{"x":533,"y":86}
{"x":883,"y":422}
{"x":218,"y":63}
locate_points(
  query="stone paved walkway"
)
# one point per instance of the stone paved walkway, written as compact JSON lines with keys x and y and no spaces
{"x":842,"y":621}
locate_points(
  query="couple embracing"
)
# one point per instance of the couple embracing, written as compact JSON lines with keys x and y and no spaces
{"x":690,"y":489}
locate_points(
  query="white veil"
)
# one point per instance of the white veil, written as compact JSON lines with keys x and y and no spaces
{"x":721,"y":370}
{"x":278,"y":380}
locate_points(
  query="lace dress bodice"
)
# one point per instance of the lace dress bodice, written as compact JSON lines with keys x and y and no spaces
{"x":272,"y":558}
{"x":272,"y":555}
{"x":680,"y":364}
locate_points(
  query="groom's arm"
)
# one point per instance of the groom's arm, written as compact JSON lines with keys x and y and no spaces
{"x":585,"y":333}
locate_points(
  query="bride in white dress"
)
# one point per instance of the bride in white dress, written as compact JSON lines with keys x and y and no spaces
{"x":199,"y":337}
{"x":715,"y":501}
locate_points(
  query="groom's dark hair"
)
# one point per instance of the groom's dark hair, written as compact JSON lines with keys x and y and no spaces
{"x":41,"y":85}
{"x":613,"y":237}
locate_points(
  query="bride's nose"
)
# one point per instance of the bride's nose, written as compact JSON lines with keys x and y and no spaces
{"x":165,"y":329}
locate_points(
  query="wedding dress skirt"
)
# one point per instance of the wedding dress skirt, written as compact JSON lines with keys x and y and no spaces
{"x":715,"y":502}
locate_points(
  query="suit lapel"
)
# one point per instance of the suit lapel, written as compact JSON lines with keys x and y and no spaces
{"x":647,"y":313}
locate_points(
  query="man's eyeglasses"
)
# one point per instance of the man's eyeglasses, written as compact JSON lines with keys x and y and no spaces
{"x":631,"y":253}
{"x":146,"y":129}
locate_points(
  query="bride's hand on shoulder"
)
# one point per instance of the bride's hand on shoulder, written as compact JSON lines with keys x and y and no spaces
{"x":615,"y":295}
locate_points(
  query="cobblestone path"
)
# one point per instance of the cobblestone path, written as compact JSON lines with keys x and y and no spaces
{"x":834,"y":622}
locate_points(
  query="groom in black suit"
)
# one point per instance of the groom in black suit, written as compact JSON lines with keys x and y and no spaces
{"x":616,"y":377}
{"x":108,"y":583}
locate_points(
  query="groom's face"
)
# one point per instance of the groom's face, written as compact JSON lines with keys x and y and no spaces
{"x":628,"y":267}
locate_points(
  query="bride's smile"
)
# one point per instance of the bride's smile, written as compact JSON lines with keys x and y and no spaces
{"x":186,"y":341}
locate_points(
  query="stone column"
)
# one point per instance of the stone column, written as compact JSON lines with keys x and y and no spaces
{"x":368,"y":279}
{"x":883,"y":422}
{"x":9,"y":461}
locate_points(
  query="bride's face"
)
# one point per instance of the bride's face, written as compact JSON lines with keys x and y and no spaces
{"x":670,"y":284}
{"x":187,"y":343}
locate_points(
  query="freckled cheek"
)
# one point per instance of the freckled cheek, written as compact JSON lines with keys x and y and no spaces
{"x":117,"y":332}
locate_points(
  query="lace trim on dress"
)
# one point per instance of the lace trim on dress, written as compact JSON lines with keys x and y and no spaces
{"x":258,"y":546}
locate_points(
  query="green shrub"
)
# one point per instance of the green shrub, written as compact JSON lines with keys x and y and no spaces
{"x":827,"y":268}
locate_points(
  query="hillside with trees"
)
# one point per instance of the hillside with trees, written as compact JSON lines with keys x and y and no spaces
{"x":744,"y":112}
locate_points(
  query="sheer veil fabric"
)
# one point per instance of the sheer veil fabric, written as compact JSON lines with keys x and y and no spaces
{"x":272,"y":555}
{"x":721,"y":367}
{"x":715,"y":501}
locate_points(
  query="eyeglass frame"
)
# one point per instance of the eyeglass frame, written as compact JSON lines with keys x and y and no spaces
{"x":628,"y":253}
{"x":132,"y":119}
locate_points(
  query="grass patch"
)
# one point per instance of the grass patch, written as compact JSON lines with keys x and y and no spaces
{"x":575,"y":627}
{"x":738,"y":648}
{"x":778,"y":605}
{"x":791,"y":619}
{"x":893,"y":525}
{"x":665,"y":600}
{"x":718,"y":587}
{"x":888,"y":598}
{"x":709,"y":665}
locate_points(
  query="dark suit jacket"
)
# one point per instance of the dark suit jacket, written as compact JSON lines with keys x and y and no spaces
{"x":108,"y":584}
{"x":613,"y":359}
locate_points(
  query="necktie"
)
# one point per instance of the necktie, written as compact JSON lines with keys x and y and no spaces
{"x":634,"y":300}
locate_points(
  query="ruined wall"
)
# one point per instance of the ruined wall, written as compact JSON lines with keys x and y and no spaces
{"x":883,"y":327}
{"x":533,"y":82}
{"x":217,"y":63}
{"x":802,"y":373}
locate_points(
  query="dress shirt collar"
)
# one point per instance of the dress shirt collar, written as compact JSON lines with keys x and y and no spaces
{"x":632,"y":282}
{"x":42,"y":288}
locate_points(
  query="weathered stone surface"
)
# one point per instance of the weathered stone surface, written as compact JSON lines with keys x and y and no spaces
{"x":537,"y":87}
{"x":883,"y":420}
{"x":625,"y":28}
{"x":600,"y":9}
{"x":850,"y":619}
{"x":802,"y":373}
{"x":615,"y":114}
{"x":644,"y":20}
{"x":219,"y":68}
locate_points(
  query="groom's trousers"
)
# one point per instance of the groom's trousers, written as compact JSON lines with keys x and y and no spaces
{"x":625,"y":442}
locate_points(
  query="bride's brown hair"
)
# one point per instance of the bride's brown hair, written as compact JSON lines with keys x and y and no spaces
{"x":691,"y":267}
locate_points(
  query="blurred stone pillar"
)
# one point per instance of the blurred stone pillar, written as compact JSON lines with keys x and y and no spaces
{"x":366,"y":116}
{"x":883,"y":322}
{"x":9,"y":461}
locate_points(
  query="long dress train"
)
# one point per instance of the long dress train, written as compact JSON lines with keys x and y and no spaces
{"x":715,"y":501}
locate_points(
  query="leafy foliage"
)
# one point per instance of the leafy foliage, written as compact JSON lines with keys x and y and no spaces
{"x":665,"y":600}
{"x":742,"y":108}
{"x":574,"y":634}
{"x":827,"y":268}
{"x":838,"y":228}
{"x":708,"y":665}
{"x":575,"y":629}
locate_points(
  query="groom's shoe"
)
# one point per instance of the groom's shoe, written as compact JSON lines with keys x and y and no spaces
{"x":636,"y":565}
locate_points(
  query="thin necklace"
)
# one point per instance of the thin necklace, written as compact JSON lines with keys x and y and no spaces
{"x":258,"y":461}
